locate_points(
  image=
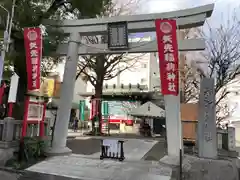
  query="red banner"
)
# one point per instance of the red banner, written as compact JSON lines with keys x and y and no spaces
{"x":166,"y":31}
{"x":33,"y":48}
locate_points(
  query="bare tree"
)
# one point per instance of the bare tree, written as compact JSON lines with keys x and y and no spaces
{"x":191,"y":84}
{"x":189,"y":75}
{"x":98,"y":68}
{"x":221,"y":62}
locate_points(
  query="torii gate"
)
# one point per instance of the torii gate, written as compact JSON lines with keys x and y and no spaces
{"x":188,"y":18}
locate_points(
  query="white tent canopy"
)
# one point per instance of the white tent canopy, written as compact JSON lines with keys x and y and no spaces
{"x":148,"y":109}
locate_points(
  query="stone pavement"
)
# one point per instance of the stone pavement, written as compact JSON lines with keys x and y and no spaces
{"x":84,"y":145}
{"x":86,"y":164}
{"x":41,"y":176}
{"x":81,"y":167}
{"x":27,"y":175}
{"x":32,"y":176}
{"x":151,"y":150}
{"x":6,"y":175}
{"x":134,"y":149}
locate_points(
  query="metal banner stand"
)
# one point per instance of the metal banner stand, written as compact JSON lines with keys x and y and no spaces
{"x":112,"y":149}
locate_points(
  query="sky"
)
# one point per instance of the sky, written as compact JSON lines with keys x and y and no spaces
{"x":221,"y":11}
{"x":154,"y":6}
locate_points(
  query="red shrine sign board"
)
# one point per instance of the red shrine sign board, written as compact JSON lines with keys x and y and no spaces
{"x":33,"y":48}
{"x":34,"y":106}
{"x":166,"y":31}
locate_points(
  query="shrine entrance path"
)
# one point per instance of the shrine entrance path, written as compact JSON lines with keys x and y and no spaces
{"x":141,"y":162}
{"x":134,"y":149}
{"x":80,"y":167}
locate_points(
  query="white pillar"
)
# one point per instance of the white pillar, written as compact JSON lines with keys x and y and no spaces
{"x":66,"y":97}
{"x":173,"y":124}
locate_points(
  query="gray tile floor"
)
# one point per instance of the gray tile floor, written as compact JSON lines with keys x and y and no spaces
{"x":86,"y":165}
{"x":27,"y":175}
{"x":86,"y":160}
{"x":40,"y":176}
{"x":78,"y":166}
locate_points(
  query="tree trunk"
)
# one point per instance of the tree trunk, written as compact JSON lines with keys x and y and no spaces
{"x":98,"y":97}
{"x":100,"y":72}
{"x":18,"y":110}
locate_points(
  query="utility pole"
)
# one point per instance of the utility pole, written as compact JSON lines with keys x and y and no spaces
{"x":10,"y":24}
{"x":6,"y":37}
{"x":5,"y":42}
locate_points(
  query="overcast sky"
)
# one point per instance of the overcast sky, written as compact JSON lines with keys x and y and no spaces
{"x":221,"y":11}
{"x":170,"y":5}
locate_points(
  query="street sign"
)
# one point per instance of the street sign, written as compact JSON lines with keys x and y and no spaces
{"x":118,"y":35}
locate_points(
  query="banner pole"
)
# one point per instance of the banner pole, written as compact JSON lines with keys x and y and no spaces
{"x":179,"y":121}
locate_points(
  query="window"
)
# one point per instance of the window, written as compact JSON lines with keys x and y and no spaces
{"x":143,"y":65}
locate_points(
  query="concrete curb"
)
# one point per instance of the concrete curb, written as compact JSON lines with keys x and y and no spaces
{"x":11,"y":170}
{"x":71,"y":137}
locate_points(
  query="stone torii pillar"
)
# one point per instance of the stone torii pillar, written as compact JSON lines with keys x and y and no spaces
{"x":66,"y":94}
{"x":188,"y":18}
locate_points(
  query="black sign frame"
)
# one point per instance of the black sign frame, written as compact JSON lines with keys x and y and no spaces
{"x":122,"y":24}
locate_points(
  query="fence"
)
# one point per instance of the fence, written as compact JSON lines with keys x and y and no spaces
{"x":10,"y":131}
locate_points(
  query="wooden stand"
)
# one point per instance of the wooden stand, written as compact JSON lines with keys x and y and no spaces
{"x":106,"y":151}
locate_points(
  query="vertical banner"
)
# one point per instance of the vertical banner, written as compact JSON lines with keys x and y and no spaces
{"x":2,"y":89}
{"x":166,"y":31}
{"x":106,"y":114}
{"x":82,"y":110}
{"x":93,"y":109}
{"x":1,"y":68}
{"x":47,"y":87}
{"x":33,"y":48}
{"x":105,"y":109}
{"x":13,"y":88}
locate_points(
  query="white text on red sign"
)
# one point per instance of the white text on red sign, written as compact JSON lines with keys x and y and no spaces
{"x":170,"y":62}
{"x":34,"y":60}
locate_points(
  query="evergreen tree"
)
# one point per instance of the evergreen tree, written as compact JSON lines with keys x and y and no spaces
{"x":31,"y":13}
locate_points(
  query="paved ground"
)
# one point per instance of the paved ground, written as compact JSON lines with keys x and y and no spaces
{"x":157,"y":152}
{"x":85,"y":146}
{"x":78,"y":166}
{"x":27,"y":175}
{"x":151,"y":150}
{"x":85,"y":161}
{"x":5,"y":175}
{"x":141,"y":163}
